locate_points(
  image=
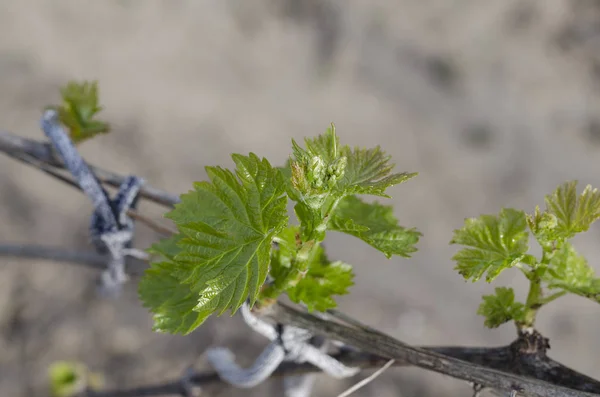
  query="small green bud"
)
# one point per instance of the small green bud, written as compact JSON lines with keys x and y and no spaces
{"x":548,"y":221}
{"x":68,"y":379}
{"x":335,"y":171}
{"x":339,"y":167}
{"x":316,"y":172}
{"x":299,"y":181}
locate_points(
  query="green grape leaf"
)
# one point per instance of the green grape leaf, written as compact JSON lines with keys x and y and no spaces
{"x":574,"y":214}
{"x":369,"y":172}
{"x":78,"y":109}
{"x":322,"y":280}
{"x":569,"y":271}
{"x":375,"y":224}
{"x":501,"y":308}
{"x":493,"y":243}
{"x":226,"y":227}
{"x":172,"y":302}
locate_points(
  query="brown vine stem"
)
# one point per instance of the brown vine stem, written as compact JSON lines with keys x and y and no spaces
{"x":388,"y":347}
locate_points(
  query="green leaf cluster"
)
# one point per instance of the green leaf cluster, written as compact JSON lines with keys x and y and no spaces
{"x":235,"y":242}
{"x":79,"y":107}
{"x":324,"y":173}
{"x":494,"y":243}
{"x":325,"y":178}
{"x":322,"y":280}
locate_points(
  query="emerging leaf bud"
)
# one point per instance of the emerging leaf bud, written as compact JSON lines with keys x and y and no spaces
{"x":335,"y":171}
{"x":548,"y":221}
{"x":338,"y":167}
{"x":299,"y":177}
{"x":316,"y":172}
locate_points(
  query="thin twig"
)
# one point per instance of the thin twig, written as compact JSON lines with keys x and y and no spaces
{"x":368,"y":379}
{"x":152,"y":224}
{"x":10,"y":143}
{"x":61,"y":255}
{"x":55,"y":254}
{"x":68,"y":180}
{"x":32,"y":161}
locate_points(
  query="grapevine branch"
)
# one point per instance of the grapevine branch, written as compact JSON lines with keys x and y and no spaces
{"x":503,"y":358}
{"x":43,"y":152}
{"x":68,"y":180}
{"x":522,"y":366}
{"x":507,"y":368}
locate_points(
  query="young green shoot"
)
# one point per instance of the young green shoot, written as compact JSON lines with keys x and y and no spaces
{"x":79,"y":107}
{"x":494,"y":243}
{"x":235,"y":241}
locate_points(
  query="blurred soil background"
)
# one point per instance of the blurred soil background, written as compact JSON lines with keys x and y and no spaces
{"x":494,"y":103}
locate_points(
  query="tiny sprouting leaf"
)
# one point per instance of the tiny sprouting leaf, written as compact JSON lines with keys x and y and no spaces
{"x":70,"y":378}
{"x":325,"y":147}
{"x":226,"y":227}
{"x":322,"y":280}
{"x":501,"y":308}
{"x":369,"y":171}
{"x":325,"y":166}
{"x":375,"y":224}
{"x":316,"y":169}
{"x":574,"y":214}
{"x":66,"y":378}
{"x":543,"y":226}
{"x":492,"y":243}
{"x":79,"y":107}
{"x":569,"y":271}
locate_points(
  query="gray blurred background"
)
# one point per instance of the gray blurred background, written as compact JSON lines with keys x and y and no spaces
{"x":494,"y":103}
